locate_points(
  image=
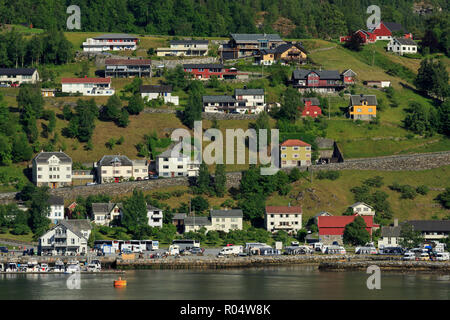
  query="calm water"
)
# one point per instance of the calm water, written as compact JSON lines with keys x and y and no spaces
{"x":293,"y":283}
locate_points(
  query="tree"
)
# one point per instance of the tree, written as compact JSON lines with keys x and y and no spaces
{"x":123,"y":120}
{"x":194,"y":107}
{"x":355,"y":43}
{"x":291,"y":103}
{"x":203,"y":179}
{"x":409,"y":238}
{"x":39,"y":210}
{"x":421,"y":119}
{"x":136,"y":104}
{"x":432,"y":78}
{"x":220,"y":180}
{"x":444,"y":198}
{"x":111,"y":111}
{"x":134,"y":213}
{"x":177,"y":78}
{"x":199,"y":204}
{"x":355,"y":233}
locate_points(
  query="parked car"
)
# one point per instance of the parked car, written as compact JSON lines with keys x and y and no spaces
{"x":197,"y":251}
{"x":91,"y":183}
{"x":4,"y":85}
{"x":442,"y":256}
{"x":3,"y":249}
{"x":409,"y":256}
{"x":424,"y":256}
{"x":146,"y":178}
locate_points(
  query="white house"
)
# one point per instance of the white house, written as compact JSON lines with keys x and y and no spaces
{"x":402,"y":46}
{"x":172,"y":163}
{"x":116,"y":168}
{"x":18,"y":75}
{"x":155,"y":216}
{"x":251,"y":100}
{"x":219,"y":104}
{"x":88,"y":86}
{"x":287,"y":218}
{"x":362,"y":209}
{"x":56,"y":206}
{"x":52,"y":169}
{"x":68,"y":237}
{"x":159,"y":92}
{"x":390,"y":235}
{"x":186,"y":48}
{"x":106,"y":214}
{"x":110,"y":42}
{"x":219,"y":220}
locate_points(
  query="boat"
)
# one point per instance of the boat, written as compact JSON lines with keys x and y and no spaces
{"x":120,"y":283}
{"x":11,"y":267}
{"x":72,"y":267}
{"x":59,"y":266}
{"x":23,"y":267}
{"x":44,"y":267}
{"x":32,"y":266}
{"x":94,"y":266}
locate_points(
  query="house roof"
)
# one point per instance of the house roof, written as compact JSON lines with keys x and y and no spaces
{"x":341,"y":221}
{"x":55,"y":200}
{"x":295,"y":143}
{"x":431,"y":225}
{"x":179,"y":216}
{"x":43,"y":157}
{"x":323,"y":214}
{"x":390,"y":231}
{"x":406,"y":41}
{"x":16,"y":71}
{"x":115,"y":36}
{"x":268,"y":51}
{"x":283,"y":209}
{"x":356,"y":100}
{"x":314,"y":101}
{"x":323,"y":74}
{"x":203,"y":66}
{"x":127,"y":62}
{"x":254,"y":37}
{"x":360,"y":203}
{"x":108,"y":159}
{"x":86,"y":80}
{"x":349,"y":73}
{"x":324,"y":143}
{"x":76,"y":225}
{"x":104,"y":207}
{"x":156,"y":88}
{"x":251,"y":92}
{"x":213,"y":99}
{"x":235,"y":213}
{"x":171,"y":153}
{"x":197,"y":221}
{"x":394,"y":26}
{"x":152,"y":208}
{"x":286,"y":46}
{"x":189,"y":42}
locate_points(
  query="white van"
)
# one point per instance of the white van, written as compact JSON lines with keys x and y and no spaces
{"x":409,"y":256}
{"x":231,"y":250}
{"x":174,"y":250}
{"x":442,"y":256}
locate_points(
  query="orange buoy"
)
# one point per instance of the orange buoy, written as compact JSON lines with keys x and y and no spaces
{"x":120,"y":283}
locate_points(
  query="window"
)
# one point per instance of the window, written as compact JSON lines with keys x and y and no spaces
{"x":39,"y":177}
{"x":370,"y":110}
{"x":271,"y":215}
{"x":284,"y":155}
{"x":136,"y":170}
{"x":308,"y":148}
{"x":73,"y":241}
{"x":39,"y":168}
{"x":358,"y":110}
{"x":68,"y":176}
{"x":283,"y":148}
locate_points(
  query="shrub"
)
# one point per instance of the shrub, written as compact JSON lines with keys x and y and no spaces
{"x":408,"y":192}
{"x":422,"y":189}
{"x":21,"y":229}
{"x":376,"y":182}
{"x":329,"y":174}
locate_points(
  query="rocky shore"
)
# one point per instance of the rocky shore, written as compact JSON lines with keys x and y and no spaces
{"x":399,"y":266}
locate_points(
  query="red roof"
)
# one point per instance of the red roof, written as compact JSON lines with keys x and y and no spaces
{"x":86,"y":80}
{"x":295,"y":143}
{"x":283,"y":209}
{"x":128,"y":62}
{"x":335,"y":225}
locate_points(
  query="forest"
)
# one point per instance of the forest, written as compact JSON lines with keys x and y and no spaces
{"x":292,"y":18}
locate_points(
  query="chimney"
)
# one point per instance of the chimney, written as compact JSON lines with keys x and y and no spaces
{"x":289,"y":204}
{"x":395,"y":222}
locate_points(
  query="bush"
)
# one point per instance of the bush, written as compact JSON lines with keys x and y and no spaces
{"x":21,"y":229}
{"x":329,"y":174}
{"x":376,"y":182}
{"x":423,"y":189}
{"x":408,"y":192}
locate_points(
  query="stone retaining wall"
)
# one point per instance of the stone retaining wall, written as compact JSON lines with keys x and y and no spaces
{"x":228,"y":116}
{"x":431,"y":266}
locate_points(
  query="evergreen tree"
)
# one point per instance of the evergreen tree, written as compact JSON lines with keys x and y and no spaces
{"x":123,"y":120}
{"x":136,"y":104}
{"x":220,"y":180}
{"x":39,"y":210}
{"x":203,"y":179}
{"x":355,"y":233}
{"x":111,"y":111}
{"x":134,"y":212}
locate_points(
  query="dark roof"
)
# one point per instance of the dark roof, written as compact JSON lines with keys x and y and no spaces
{"x":18,"y":71}
{"x":389,"y":231}
{"x":115,"y":36}
{"x":107,"y":160}
{"x":252,"y":37}
{"x":431,"y":225}
{"x":237,"y":213}
{"x":189,"y":42}
{"x":213,"y":99}
{"x":406,"y":41}
{"x":203,"y":66}
{"x":127,"y":62}
{"x":197,"y":221}
{"x":104,"y":207}
{"x":56,"y":200}
{"x":243,"y":92}
{"x":179,"y":216}
{"x":152,"y":208}
{"x":324,"y":143}
{"x":77,"y":225}
{"x":268,"y":51}
{"x":323,"y":74}
{"x":323,"y":214}
{"x":44,"y":156}
{"x":393,"y":27}
{"x":286,"y":46}
{"x":314,"y":101}
{"x":156,"y":88}
{"x":356,"y":100}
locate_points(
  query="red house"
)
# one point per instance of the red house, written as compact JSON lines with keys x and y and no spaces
{"x":385,"y":30}
{"x":206,"y":71}
{"x":331,"y":228}
{"x":366,"y":36}
{"x":311,"y":107}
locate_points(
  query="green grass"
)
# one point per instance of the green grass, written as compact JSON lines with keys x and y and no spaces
{"x":13,"y":237}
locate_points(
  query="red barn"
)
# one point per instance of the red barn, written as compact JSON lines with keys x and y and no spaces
{"x":331,"y":228}
{"x":311,"y":108}
{"x":385,"y":30}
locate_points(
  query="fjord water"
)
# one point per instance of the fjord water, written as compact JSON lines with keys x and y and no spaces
{"x":277,"y":283}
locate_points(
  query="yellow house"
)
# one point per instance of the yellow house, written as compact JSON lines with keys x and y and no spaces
{"x":295,"y":153}
{"x":363,"y":107}
{"x":266,"y":57}
{"x":290,"y":52}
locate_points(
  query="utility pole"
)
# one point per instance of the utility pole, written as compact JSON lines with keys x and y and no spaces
{"x":329,"y":102}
